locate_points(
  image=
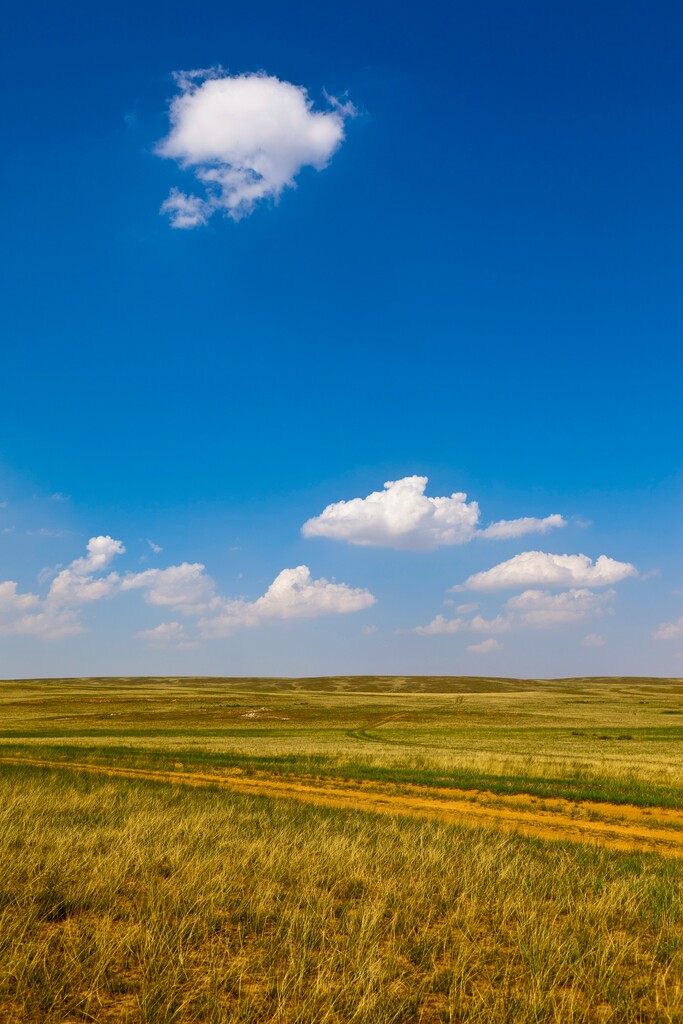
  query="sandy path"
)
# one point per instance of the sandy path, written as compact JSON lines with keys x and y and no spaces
{"x":614,"y":826}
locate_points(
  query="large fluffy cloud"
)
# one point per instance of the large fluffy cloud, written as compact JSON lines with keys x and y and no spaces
{"x":246,"y":137}
{"x":403,"y":516}
{"x":293,"y":594}
{"x":542,"y":608}
{"x":538,"y":568}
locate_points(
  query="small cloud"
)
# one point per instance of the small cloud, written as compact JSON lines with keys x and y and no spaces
{"x":485,"y":647}
{"x":58,"y":496}
{"x":478,"y":624}
{"x":45,"y":532}
{"x":11,"y":601}
{"x":537,"y":568}
{"x":78,"y":584}
{"x":369,"y":630}
{"x":650,"y":574}
{"x":186,"y":211}
{"x":186,"y":587}
{"x":245,"y":138}
{"x":167,"y":634}
{"x":594,"y":640}
{"x":4,"y":504}
{"x":507,"y":529}
{"x":101,"y":551}
{"x":583,"y":524}
{"x":48,"y":573}
{"x":156,"y":548}
{"x":669,"y":630}
{"x":465,"y":609}
{"x":542,"y":608}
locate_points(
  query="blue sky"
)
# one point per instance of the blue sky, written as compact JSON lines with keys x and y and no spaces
{"x":477,"y":280}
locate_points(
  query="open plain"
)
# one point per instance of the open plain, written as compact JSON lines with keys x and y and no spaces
{"x":344,"y":849}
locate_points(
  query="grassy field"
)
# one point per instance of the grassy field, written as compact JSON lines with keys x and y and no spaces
{"x":128,"y":899}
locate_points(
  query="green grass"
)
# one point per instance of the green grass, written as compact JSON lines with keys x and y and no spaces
{"x":629,"y":791}
{"x":612,"y":740}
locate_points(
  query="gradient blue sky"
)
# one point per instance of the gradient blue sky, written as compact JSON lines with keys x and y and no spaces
{"x":482,"y":287}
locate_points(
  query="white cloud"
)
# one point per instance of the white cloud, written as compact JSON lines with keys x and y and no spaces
{"x":73,"y":589}
{"x":541,"y":608}
{"x":369,"y":630}
{"x":536,"y":568}
{"x":505,"y":529}
{"x":77,"y":585}
{"x":101,"y":552}
{"x":52,"y":624}
{"x":293,"y":594}
{"x":70,"y":589}
{"x":246,"y":138}
{"x":20,"y":615}
{"x":400,"y":516}
{"x":26,"y":615}
{"x":485,"y":647}
{"x":403,"y":516}
{"x":185,"y":587}
{"x":594,"y":640}
{"x":465,"y":609}
{"x":167,"y":634}
{"x":478,"y":624}
{"x":186,"y":211}
{"x":11,"y":602}
{"x":535,"y":608}
{"x":156,"y":548}
{"x":669,"y":630}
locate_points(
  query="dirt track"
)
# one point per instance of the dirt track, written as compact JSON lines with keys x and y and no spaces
{"x":614,"y":826}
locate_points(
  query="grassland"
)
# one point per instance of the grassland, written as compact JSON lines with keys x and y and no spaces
{"x":127,"y":899}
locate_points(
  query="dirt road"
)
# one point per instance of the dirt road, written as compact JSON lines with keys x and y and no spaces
{"x":614,"y":826}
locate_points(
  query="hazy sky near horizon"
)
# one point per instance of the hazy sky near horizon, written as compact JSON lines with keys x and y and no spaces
{"x":342,"y":339}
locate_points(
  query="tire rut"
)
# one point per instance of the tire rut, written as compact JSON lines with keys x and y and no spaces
{"x":613,"y":826}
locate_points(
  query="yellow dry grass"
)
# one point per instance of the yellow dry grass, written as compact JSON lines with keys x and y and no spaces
{"x":134,"y":902}
{"x":126,"y":899}
{"x":614,"y":826}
